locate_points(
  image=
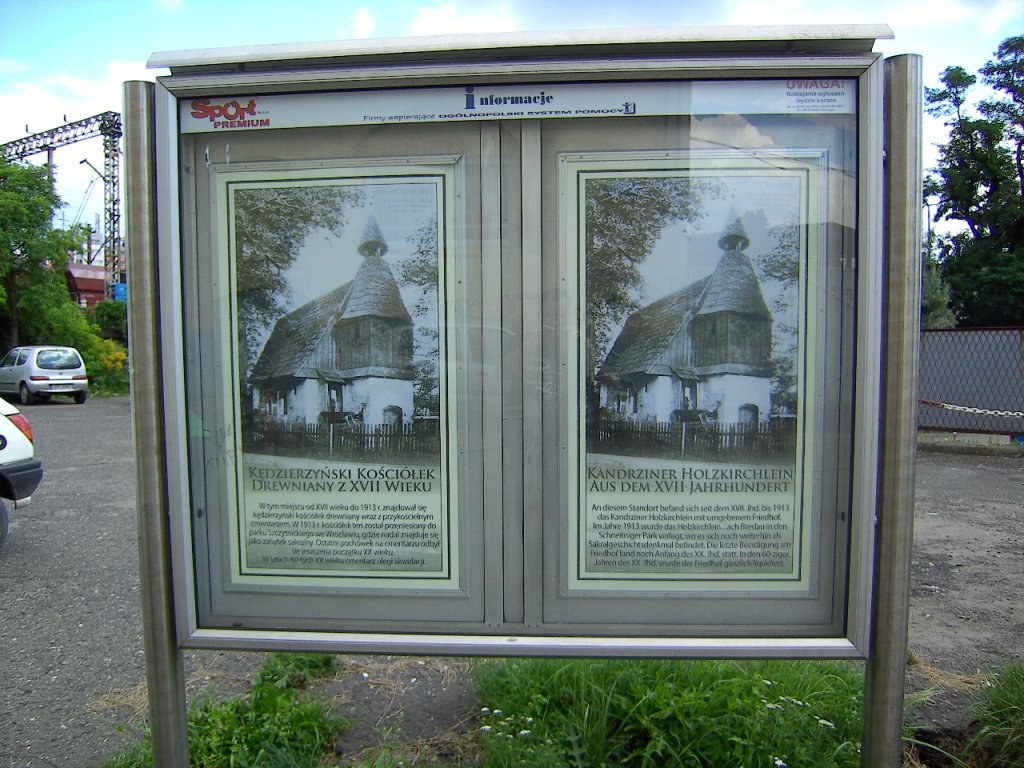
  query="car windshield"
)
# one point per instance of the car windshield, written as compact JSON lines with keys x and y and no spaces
{"x":58,"y":359}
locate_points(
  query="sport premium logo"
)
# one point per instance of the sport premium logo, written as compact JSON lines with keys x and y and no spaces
{"x":228,"y":114}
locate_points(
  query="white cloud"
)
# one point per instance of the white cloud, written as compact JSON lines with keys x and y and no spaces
{"x":779,"y":12}
{"x":906,"y":14}
{"x":45,"y":103}
{"x":360,"y":26}
{"x":11,"y":66}
{"x":362,"y":23}
{"x":728,"y":130}
{"x":928,"y":13}
{"x":1004,"y":16}
{"x":446,"y":19}
{"x":37,"y":107}
{"x":990,"y":16}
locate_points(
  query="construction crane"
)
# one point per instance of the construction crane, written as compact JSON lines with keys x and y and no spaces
{"x":107,"y":125}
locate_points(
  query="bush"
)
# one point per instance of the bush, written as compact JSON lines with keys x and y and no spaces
{"x":111,"y":317}
{"x":106,"y":362}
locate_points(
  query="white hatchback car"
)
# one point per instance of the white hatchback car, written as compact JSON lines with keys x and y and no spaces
{"x":20,"y":470}
{"x":39,"y":372}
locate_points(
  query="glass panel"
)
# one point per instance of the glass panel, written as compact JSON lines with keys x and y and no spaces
{"x":342,"y":421}
{"x":702,"y":357}
{"x":693,"y":371}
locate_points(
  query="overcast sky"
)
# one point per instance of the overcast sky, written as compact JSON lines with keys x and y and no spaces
{"x":66,"y":59}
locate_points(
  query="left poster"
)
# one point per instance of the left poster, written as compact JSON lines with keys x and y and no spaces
{"x":343,"y":420}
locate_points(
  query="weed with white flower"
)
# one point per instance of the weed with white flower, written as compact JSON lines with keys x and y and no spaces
{"x":649,"y":713}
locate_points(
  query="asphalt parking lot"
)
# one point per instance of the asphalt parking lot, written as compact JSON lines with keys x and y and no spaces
{"x":69,"y":591}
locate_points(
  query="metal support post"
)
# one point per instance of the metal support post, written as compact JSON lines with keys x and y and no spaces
{"x":886,"y":668}
{"x":164,"y":662}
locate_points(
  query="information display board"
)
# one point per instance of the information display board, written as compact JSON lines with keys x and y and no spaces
{"x":496,"y":363}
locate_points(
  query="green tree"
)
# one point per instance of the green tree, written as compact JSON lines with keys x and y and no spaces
{"x":419,"y":271}
{"x":625,"y":216}
{"x":35,"y":307}
{"x":112,"y":319}
{"x":979,"y":184}
{"x":781,"y":264}
{"x":64,"y":323}
{"x":33,"y":255}
{"x":271,"y":226}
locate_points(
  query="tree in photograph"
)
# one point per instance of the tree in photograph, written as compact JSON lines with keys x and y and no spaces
{"x":979,"y":184}
{"x":780,"y":264}
{"x":419,"y":271}
{"x":625,"y":216}
{"x":271,"y":226}
{"x":33,"y":255}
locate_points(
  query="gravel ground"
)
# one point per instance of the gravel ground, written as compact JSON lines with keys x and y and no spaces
{"x":967,"y":578}
{"x":72,"y":674}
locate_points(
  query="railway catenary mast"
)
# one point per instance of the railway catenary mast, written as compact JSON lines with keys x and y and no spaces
{"x":107,"y":125}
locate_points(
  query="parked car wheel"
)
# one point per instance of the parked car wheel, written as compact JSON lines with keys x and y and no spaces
{"x":24,"y":395}
{"x":3,"y":524}
{"x":80,"y":397}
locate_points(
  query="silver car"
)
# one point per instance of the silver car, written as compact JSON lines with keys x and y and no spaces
{"x":40,"y":372}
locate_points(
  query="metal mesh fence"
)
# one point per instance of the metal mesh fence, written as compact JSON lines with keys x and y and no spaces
{"x":972,"y":380}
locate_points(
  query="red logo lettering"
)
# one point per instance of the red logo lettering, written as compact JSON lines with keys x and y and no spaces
{"x":229,"y":110}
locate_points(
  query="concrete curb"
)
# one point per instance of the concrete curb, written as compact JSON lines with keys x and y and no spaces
{"x":972,"y":449}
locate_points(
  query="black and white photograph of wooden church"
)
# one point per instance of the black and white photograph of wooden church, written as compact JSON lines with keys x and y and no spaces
{"x":339,"y":341}
{"x":704,"y":349}
{"x":347,"y":353}
{"x":703,"y":365}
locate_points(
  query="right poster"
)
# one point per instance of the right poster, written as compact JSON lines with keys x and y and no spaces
{"x":695,"y":289}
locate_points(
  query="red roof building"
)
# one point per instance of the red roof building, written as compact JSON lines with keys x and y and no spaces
{"x":87,"y":283}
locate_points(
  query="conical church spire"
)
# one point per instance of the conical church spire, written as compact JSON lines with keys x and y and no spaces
{"x":373,"y":290}
{"x":734,"y":237}
{"x":733,"y":286}
{"x":372,"y":243}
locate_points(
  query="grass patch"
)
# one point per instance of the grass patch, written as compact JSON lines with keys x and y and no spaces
{"x":653,"y":713}
{"x":274,"y":726}
{"x":296,"y":670}
{"x":998,"y":740}
{"x":557,"y":713}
